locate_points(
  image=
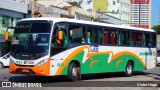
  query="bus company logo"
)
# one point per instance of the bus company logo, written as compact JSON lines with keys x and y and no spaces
{"x":145,"y":53}
{"x":94,"y":48}
{"x":6,"y":84}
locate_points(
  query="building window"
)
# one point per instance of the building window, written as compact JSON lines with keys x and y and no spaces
{"x":99,"y":10}
{"x":114,"y":3}
{"x":117,"y":1}
{"x":5,"y":21}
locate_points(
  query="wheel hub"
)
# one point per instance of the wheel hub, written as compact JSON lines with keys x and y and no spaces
{"x":0,"y":65}
{"x":74,"y":72}
{"x":129,"y":69}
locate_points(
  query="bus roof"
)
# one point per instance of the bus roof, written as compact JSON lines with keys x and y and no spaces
{"x":86,"y":22}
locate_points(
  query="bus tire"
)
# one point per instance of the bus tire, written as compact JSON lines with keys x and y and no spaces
{"x":1,"y":65}
{"x":129,"y":69}
{"x":73,"y":72}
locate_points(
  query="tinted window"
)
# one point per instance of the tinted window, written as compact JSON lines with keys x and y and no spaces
{"x":114,"y":34}
{"x":33,"y":28}
{"x":133,"y":39}
{"x":146,"y":39}
{"x":153,"y":40}
{"x":139,"y":39}
{"x":107,"y":36}
{"x":77,"y":34}
{"x":123,"y":38}
{"x":94,"y":35}
{"x":22,"y":27}
{"x":40,"y":28}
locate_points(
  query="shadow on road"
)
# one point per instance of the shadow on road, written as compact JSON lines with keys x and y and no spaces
{"x":84,"y":77}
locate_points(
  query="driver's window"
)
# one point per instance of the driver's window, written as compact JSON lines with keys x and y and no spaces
{"x":55,"y":41}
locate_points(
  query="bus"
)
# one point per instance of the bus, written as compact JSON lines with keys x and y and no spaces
{"x":43,"y":47}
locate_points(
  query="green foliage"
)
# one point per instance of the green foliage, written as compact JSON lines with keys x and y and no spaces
{"x":157,"y":28}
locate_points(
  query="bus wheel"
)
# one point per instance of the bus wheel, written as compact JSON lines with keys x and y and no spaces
{"x":73,"y":72}
{"x":1,"y":65}
{"x":129,"y":69}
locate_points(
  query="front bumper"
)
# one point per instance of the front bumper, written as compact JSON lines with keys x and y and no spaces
{"x":42,"y":70}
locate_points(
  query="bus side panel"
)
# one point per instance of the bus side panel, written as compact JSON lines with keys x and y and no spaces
{"x":107,"y":59}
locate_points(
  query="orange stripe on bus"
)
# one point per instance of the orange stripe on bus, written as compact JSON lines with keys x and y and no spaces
{"x":129,"y":53}
{"x":118,"y":62}
{"x":72,"y":55}
{"x":92,"y":62}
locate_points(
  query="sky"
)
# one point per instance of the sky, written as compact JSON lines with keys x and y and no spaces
{"x":155,"y":11}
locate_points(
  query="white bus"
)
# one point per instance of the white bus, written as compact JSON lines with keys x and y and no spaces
{"x":59,"y":46}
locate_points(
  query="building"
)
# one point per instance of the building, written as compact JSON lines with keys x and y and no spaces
{"x":92,"y":5}
{"x":125,"y":10}
{"x":120,"y":9}
{"x":99,"y":5}
{"x":98,"y":9}
{"x":141,"y":13}
{"x":10,"y":12}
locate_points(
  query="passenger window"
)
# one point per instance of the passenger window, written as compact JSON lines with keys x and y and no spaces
{"x":146,"y":39}
{"x":139,"y":39}
{"x":153,"y":40}
{"x":107,"y":37}
{"x":133,"y":39}
{"x":123,"y":38}
{"x":94,"y":35}
{"x":114,"y":34}
{"x":77,"y":34}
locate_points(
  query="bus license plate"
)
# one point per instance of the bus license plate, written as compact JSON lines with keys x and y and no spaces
{"x":25,"y":70}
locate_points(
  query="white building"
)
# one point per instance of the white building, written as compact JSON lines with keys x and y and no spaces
{"x":120,"y":9}
{"x":85,"y":4}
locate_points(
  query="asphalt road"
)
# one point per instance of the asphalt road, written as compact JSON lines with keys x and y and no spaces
{"x":89,"y":82}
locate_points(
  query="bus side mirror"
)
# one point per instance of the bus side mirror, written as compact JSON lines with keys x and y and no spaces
{"x":60,"y":35}
{"x":6,"y":36}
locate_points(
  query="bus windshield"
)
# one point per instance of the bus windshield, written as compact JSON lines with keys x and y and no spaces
{"x":31,"y":40}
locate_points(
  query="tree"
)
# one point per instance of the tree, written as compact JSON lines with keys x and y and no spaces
{"x":157,"y":28}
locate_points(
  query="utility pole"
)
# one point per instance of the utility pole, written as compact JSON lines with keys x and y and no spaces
{"x":32,"y":10}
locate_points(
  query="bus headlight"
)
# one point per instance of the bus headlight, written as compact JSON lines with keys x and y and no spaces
{"x":41,"y":62}
{"x":11,"y":61}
